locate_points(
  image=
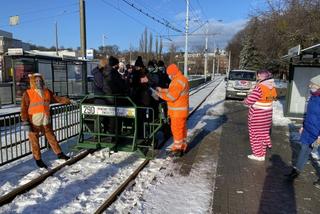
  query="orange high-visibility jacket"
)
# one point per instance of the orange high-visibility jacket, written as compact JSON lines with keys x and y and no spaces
{"x":268,"y":96}
{"x":39,"y":104}
{"x":177,"y":96}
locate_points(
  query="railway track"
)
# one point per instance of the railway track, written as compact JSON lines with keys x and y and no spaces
{"x":123,"y":186}
{"x":7,"y":198}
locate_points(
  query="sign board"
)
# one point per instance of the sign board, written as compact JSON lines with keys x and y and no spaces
{"x":14,"y":20}
{"x":15,"y":51}
{"x":295,"y":51}
{"x":107,"y":111}
{"x":89,"y":53}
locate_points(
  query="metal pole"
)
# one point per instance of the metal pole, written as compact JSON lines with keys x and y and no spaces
{"x":83,"y":41}
{"x":57,"y":45}
{"x":218,"y":64}
{"x":206,"y":56}
{"x":213,"y":66}
{"x":229,"y":63}
{"x":186,"y":42}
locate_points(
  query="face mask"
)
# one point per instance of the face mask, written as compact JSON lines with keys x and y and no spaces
{"x":170,"y":77}
{"x":313,"y":90}
{"x":39,"y":84}
{"x":161,"y":69}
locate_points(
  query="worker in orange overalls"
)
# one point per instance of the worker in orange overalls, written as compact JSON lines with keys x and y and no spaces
{"x":177,"y":97}
{"x":35,"y":116}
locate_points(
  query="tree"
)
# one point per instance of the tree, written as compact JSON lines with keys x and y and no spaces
{"x":249,"y":56}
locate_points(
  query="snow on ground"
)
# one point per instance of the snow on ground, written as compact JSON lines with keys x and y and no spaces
{"x":278,"y":118}
{"x":82,"y":187}
{"x":163,"y":189}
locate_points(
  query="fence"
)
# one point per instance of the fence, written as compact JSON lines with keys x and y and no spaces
{"x":65,"y":120}
{"x":15,"y":142}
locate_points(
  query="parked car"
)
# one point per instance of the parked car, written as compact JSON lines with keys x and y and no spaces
{"x":239,"y":83}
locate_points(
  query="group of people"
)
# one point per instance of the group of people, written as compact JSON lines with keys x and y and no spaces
{"x":147,"y":86}
{"x":260,"y":122}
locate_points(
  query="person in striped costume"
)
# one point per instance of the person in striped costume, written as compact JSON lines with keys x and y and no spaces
{"x":260,"y":114}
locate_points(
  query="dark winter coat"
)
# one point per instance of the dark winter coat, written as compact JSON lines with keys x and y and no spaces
{"x":113,"y":84}
{"x":311,"y":123}
{"x":97,"y":85}
{"x":164,"y":80}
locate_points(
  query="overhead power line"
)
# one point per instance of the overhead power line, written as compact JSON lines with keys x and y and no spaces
{"x":164,"y":22}
{"x":133,"y":18}
{"x":44,"y":18}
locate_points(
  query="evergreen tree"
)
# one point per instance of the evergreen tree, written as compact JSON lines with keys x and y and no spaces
{"x":249,"y":56}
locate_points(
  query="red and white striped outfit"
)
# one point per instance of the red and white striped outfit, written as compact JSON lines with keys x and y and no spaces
{"x":259,"y":123}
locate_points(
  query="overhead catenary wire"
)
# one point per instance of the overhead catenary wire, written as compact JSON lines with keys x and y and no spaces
{"x":46,"y":9}
{"x":163,"y":22}
{"x":44,"y":18}
{"x":133,"y":18}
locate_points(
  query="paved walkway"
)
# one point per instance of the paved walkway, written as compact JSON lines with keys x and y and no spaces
{"x":247,"y":186}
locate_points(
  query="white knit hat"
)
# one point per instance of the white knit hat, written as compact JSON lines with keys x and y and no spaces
{"x":316,"y":80}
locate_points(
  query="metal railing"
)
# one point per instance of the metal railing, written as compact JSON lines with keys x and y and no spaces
{"x":15,"y":141}
{"x":65,"y":123}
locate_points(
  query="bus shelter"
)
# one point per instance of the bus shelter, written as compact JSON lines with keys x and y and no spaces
{"x":65,"y":76}
{"x":303,"y":65}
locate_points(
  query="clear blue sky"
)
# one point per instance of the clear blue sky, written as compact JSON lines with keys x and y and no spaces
{"x":37,"y":19}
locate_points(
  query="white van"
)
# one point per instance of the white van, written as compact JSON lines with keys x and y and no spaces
{"x":240,"y":83}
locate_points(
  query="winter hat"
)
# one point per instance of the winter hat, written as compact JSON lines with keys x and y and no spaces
{"x":264,"y":74}
{"x":139,"y":62}
{"x":173,"y":69}
{"x":113,"y":61}
{"x":151,"y":64}
{"x":316,"y":80}
{"x":160,"y":63}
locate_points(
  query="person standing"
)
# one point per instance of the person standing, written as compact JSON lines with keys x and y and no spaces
{"x":35,"y":117}
{"x":260,"y":114}
{"x":177,"y":97}
{"x":97,"y":74}
{"x":310,"y":131}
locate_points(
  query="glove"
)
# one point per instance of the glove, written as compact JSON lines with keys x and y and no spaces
{"x":154,"y":94}
{"x":25,"y":126}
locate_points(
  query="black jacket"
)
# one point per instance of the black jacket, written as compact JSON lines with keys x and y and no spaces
{"x":97,"y":85}
{"x":113,"y":84}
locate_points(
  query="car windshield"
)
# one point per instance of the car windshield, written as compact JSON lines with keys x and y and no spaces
{"x":241,"y":75}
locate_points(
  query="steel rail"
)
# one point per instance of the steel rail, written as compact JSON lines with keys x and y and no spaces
{"x":113,"y":197}
{"x":7,"y":198}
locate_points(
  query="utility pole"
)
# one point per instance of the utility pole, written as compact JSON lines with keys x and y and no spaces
{"x":218,"y":64}
{"x":104,"y":44}
{"x":83,"y":41}
{"x":229,"y":63}
{"x":186,"y":42}
{"x":206,"y":56}
{"x":213,"y":66}
{"x":57,"y":45}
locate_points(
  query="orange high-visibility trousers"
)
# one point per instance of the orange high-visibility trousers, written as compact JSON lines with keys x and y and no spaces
{"x":34,"y":140}
{"x":179,"y":129}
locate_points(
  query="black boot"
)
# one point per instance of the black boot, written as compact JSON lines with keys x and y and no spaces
{"x":41,"y":164}
{"x":63,"y":156}
{"x":292,"y":175}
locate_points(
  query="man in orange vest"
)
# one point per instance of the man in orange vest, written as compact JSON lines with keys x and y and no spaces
{"x":177,"y":97}
{"x":35,"y":116}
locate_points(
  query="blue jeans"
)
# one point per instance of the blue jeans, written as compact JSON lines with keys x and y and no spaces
{"x":303,"y":156}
